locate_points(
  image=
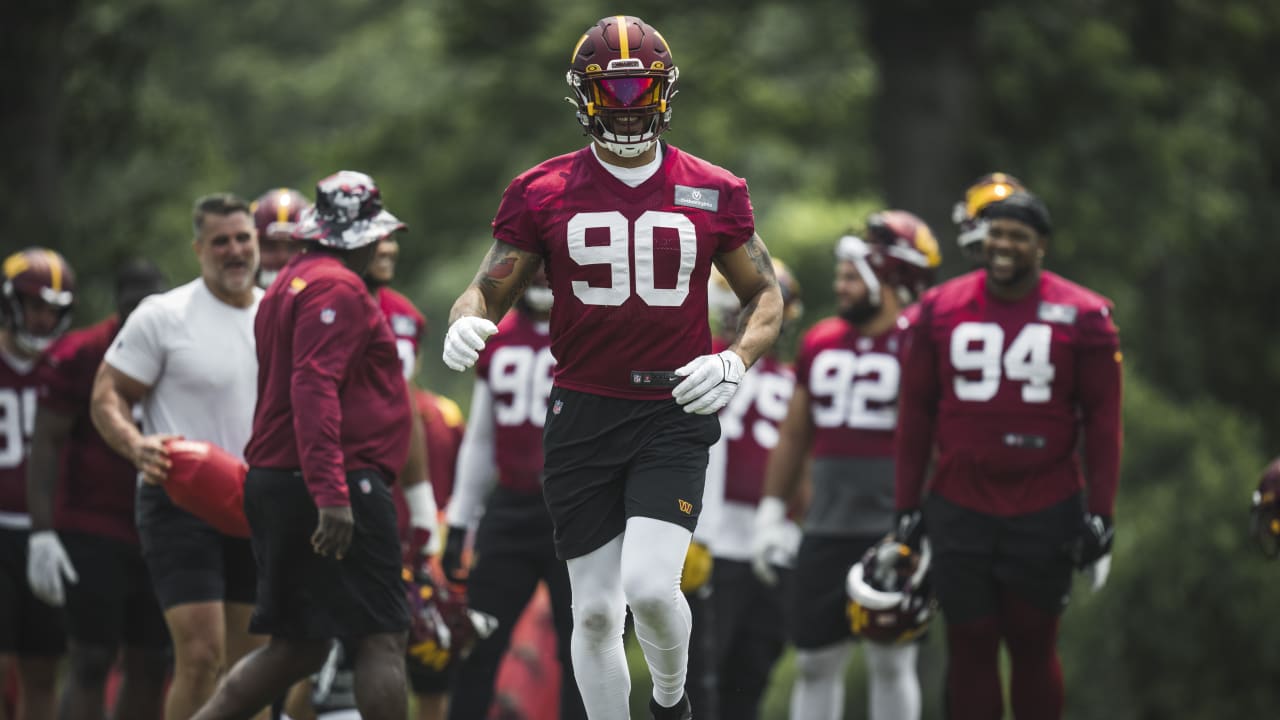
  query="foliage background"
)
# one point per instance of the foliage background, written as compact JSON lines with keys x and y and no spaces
{"x":1147,"y":126}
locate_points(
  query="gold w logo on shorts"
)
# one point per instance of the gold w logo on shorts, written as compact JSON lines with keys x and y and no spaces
{"x":686,"y":507}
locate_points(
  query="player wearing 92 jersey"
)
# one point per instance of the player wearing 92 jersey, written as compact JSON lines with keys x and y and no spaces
{"x":843,"y":413}
{"x":628,"y":228}
{"x":1006,"y":368}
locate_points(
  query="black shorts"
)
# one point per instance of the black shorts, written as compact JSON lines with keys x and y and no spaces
{"x":608,"y":459}
{"x":977,"y":556}
{"x":28,"y":627}
{"x":188,"y":560}
{"x":113,"y":603}
{"x":818,"y":602}
{"x":304,"y":596}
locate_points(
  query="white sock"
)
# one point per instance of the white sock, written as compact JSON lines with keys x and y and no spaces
{"x":894,"y":687}
{"x":652,"y":559}
{"x":818,"y":692}
{"x":599,"y":611}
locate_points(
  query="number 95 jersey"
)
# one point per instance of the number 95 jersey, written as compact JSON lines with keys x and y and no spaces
{"x":1011,"y":384}
{"x":628,"y":265}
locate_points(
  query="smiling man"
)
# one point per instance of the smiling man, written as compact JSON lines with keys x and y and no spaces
{"x":188,"y":357}
{"x":1006,"y":371}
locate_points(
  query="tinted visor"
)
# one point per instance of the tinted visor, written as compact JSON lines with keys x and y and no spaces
{"x":627,"y":92}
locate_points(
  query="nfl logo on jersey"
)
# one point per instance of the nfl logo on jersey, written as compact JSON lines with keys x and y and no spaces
{"x":366,"y":487}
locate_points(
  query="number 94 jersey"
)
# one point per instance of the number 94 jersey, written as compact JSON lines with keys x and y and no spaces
{"x":628,"y":265}
{"x":1004,"y":388}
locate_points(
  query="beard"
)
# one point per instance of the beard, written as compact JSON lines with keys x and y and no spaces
{"x":859,"y":313}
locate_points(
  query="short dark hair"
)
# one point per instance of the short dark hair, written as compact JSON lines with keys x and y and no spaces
{"x":139,"y":272}
{"x":217,"y":204}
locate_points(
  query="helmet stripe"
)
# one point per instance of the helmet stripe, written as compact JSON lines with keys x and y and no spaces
{"x":282,"y":205}
{"x":624,"y":46}
{"x":55,"y":270}
{"x":664,"y":41}
{"x":15,"y":264}
{"x":578,"y":47}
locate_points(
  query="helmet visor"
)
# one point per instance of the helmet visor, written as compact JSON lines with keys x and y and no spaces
{"x":627,"y":92}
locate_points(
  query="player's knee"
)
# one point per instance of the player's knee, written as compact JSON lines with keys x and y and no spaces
{"x":648,"y":595}
{"x":597,"y":619}
{"x":891,"y":663}
{"x":90,"y":665}
{"x":199,"y":658}
{"x":815,"y":665}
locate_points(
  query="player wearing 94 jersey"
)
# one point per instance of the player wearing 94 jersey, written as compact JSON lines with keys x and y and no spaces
{"x":627,"y":228}
{"x":842,"y":414}
{"x":1006,"y":368}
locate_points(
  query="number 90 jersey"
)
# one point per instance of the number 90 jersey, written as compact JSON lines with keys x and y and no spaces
{"x":628,"y":265}
{"x":1003,"y":389}
{"x":517,"y":365}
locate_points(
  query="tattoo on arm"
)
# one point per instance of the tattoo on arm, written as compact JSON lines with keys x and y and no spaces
{"x":498,"y":280}
{"x":759,"y":255}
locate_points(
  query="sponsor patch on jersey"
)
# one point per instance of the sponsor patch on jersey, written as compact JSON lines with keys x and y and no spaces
{"x":700,"y":198}
{"x":1057,"y":313}
{"x":404,"y":326}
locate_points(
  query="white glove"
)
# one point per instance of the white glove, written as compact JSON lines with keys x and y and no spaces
{"x":465,"y":340}
{"x":47,"y":564}
{"x":774,"y":542}
{"x":1098,"y":572}
{"x":709,"y":382}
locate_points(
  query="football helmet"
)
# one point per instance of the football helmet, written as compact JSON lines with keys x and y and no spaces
{"x":890,"y":598}
{"x":899,"y":251}
{"x":276,"y":215}
{"x":348,"y":213}
{"x":442,"y":630}
{"x":623,"y":78}
{"x":43,"y":275}
{"x":1264,"y":512}
{"x":984,"y":191}
{"x":723,"y":305}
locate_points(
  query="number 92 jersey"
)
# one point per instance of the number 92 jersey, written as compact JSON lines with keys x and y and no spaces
{"x":628,"y":266}
{"x":1011,"y":383}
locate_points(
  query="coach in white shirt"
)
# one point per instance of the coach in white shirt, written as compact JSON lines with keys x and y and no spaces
{"x":188,"y":357}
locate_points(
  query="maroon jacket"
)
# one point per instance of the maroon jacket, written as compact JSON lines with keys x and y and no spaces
{"x":331,"y":396}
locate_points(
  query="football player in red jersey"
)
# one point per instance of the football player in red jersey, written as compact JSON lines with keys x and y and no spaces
{"x":628,"y":228}
{"x":275,"y":214}
{"x":35,"y":309}
{"x":331,"y":431}
{"x":972,"y":229}
{"x":747,"y":614}
{"x":499,"y":494}
{"x":84,"y":547}
{"x":842,"y":414}
{"x":1006,"y":369}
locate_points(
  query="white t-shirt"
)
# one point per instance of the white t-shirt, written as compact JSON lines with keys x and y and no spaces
{"x":198,"y":356}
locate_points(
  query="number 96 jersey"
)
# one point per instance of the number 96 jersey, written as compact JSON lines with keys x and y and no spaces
{"x":1004,"y":389}
{"x":517,"y":365}
{"x":628,"y":265}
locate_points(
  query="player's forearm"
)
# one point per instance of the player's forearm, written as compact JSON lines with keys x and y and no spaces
{"x":759,"y":324}
{"x":476,"y":475}
{"x":471,"y":302}
{"x":42,"y":467}
{"x":113,"y":418}
{"x":415,"y":468}
{"x":503,"y":276}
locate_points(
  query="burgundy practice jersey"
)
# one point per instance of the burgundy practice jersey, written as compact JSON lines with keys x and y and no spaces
{"x":749,"y":425}
{"x":19,"y":382}
{"x":628,"y":266}
{"x":852,"y":381}
{"x":517,"y":366}
{"x":1003,"y":389}
{"x":443,"y":424}
{"x":407,"y":324}
{"x":331,"y":396}
{"x":96,"y":486}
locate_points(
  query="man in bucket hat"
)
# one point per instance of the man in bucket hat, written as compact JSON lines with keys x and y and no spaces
{"x":330,"y":432}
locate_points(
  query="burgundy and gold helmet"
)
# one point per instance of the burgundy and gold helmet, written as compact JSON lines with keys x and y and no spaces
{"x":442,"y":629}
{"x":622,"y":68}
{"x":1264,"y":511}
{"x":276,"y":212}
{"x":890,"y":598}
{"x":984,"y":191}
{"x":42,"y":275}
{"x":899,"y":250}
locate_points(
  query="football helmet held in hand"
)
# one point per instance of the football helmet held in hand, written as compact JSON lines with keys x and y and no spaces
{"x":442,"y":629}
{"x":890,"y":598}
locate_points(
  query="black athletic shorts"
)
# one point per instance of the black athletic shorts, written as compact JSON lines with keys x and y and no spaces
{"x":304,"y":596}
{"x":976,"y":556}
{"x":608,"y":459}
{"x":188,"y":560}
{"x":817,"y":608}
{"x":28,"y":627}
{"x":113,"y":603}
